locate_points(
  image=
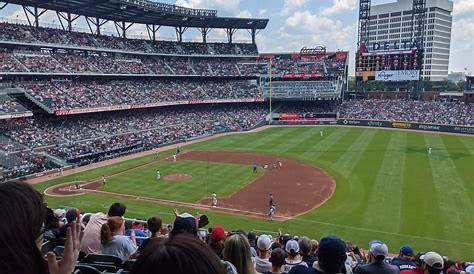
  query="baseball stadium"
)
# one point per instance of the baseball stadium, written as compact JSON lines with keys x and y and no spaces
{"x":275,"y":157}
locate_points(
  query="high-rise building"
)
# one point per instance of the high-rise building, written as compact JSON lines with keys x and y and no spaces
{"x":392,"y":24}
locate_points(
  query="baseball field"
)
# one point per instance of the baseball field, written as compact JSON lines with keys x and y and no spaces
{"x":360,"y":184}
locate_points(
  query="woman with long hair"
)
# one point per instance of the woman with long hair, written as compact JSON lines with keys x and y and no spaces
{"x":237,"y":251}
{"x":182,"y":254}
{"x":113,"y":240}
{"x":22,"y":213}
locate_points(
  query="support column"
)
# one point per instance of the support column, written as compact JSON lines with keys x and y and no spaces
{"x":230,"y":34}
{"x":35,"y":13}
{"x":122,"y":28}
{"x":152,"y":30}
{"x":97,"y":23}
{"x":68,"y":18}
{"x":179,"y":33}
{"x":204,"y":32}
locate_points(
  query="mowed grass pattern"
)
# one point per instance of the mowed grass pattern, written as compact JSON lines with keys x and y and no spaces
{"x":207,"y":177}
{"x":388,"y":187}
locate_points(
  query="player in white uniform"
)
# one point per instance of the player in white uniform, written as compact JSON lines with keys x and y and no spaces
{"x":272,"y":207}
{"x":174,"y":157}
{"x":158,"y":175}
{"x":214,"y":200}
{"x":321,"y":133}
{"x":103,"y":180}
{"x":429,"y":150}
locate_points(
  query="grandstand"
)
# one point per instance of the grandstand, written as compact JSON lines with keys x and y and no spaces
{"x":71,"y":101}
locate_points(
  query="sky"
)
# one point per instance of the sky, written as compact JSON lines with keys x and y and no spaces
{"x":295,"y":24}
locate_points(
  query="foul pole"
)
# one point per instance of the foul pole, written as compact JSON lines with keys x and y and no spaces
{"x":270,"y":86}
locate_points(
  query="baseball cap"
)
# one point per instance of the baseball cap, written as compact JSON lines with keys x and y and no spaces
{"x":203,"y":221}
{"x":433,"y":259}
{"x":470,"y":269}
{"x":264,"y":242}
{"x":378,"y":248}
{"x":292,"y":245}
{"x":184,"y":223}
{"x":71,"y":215}
{"x":59,"y":213}
{"x":407,"y":250}
{"x":332,"y":247}
{"x":218,"y":233}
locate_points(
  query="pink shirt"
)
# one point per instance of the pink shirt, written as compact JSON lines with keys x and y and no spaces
{"x":91,"y":237}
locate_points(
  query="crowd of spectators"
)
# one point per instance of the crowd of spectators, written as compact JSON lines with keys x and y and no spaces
{"x":95,"y":137}
{"x":9,"y":105}
{"x":23,"y":33}
{"x":79,"y":94}
{"x":436,"y":112}
{"x":190,"y":244}
{"x":21,"y":60}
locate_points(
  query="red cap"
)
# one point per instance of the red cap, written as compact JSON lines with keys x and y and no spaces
{"x":218,"y":233}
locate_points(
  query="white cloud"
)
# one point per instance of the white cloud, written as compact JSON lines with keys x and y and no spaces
{"x":262,"y":12}
{"x":461,"y":45}
{"x":463,"y":7}
{"x":339,"y":6}
{"x":290,"y":6}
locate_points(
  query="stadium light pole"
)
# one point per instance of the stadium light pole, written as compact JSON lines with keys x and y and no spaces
{"x":270,"y":86}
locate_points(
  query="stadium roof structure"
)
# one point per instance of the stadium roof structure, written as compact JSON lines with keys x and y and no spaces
{"x":140,"y":12}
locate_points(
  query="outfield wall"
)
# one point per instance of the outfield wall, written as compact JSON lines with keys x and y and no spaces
{"x":383,"y":124}
{"x":407,"y":125}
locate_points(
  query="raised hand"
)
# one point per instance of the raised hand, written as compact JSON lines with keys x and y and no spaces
{"x":71,"y":252}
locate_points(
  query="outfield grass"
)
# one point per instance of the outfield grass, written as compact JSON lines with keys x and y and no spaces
{"x":388,"y":187}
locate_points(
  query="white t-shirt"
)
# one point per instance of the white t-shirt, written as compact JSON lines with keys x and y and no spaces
{"x":290,"y":263}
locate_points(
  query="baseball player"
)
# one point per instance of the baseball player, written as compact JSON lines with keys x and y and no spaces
{"x":254,"y":168}
{"x":61,"y":171}
{"x":280,"y":164}
{"x":158,"y":175}
{"x":272,"y":207}
{"x":429,"y":150}
{"x":103,"y":180}
{"x":265,"y":166}
{"x":178,"y":150}
{"x":174,"y":157}
{"x":321,"y":133}
{"x":214,"y":200}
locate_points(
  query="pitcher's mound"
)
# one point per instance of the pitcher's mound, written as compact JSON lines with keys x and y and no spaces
{"x":178,"y":177}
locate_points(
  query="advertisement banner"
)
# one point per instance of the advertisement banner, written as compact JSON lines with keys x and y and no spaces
{"x":397,"y":75}
{"x":63,"y":112}
{"x":407,"y":125}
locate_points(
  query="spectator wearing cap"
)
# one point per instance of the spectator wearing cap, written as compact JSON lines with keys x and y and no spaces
{"x":305,"y":251}
{"x":294,"y":259}
{"x":264,"y":244}
{"x":432,"y":263}
{"x":405,"y":259}
{"x":378,"y":251}
{"x":331,"y":258}
{"x":278,"y":260}
{"x":71,"y":216}
{"x":91,"y":236}
{"x":184,"y":223}
{"x":216,"y":242}
{"x":202,"y":233}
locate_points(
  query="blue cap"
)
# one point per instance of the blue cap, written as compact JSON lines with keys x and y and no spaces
{"x":332,"y":247}
{"x":406,"y":250}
